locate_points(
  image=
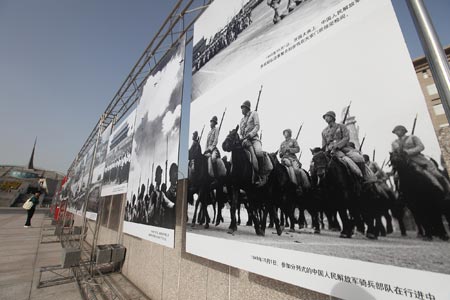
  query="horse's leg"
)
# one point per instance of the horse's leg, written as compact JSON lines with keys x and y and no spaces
{"x":214,"y":203}
{"x":388,"y":217}
{"x":194,"y":218}
{"x":249,"y":219}
{"x":239,"y":214}
{"x":233,"y":204}
{"x":321,"y":220}
{"x":273,"y":212}
{"x":264,"y":221}
{"x":398,"y":212}
{"x":346,"y":226}
{"x":379,"y":226}
{"x":290,"y":211}
{"x":372,"y":224}
{"x":271,"y":218}
{"x":206,"y":216}
{"x":426,"y":224}
{"x":253,"y":211}
{"x":314,"y":219}
{"x":301,"y":218}
{"x":220,"y":197}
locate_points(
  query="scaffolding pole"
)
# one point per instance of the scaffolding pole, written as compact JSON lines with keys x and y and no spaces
{"x":433,"y":51}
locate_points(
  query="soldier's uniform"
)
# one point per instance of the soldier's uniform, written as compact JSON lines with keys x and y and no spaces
{"x":211,"y":148}
{"x":249,"y":127}
{"x":288,"y":149}
{"x":212,"y":140}
{"x":413,"y":147}
{"x":336,"y":138}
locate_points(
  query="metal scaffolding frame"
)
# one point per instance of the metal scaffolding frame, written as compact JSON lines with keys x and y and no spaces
{"x":93,"y":284}
{"x":179,"y":22}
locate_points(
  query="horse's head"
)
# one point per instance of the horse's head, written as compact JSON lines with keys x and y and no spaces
{"x":320,"y":162}
{"x":232,"y":141}
{"x":274,"y":159}
{"x":195,"y":151}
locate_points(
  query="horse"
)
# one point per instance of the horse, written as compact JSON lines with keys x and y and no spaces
{"x":338,"y":189}
{"x":283,"y":191}
{"x":241,"y":178}
{"x":425,"y":200}
{"x":201,"y":183}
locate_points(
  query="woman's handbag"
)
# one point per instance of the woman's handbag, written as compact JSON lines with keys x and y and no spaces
{"x":28,"y":204}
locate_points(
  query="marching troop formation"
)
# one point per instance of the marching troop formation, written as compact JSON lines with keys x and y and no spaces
{"x":342,"y":185}
{"x":154,"y":204}
{"x":117,"y":171}
{"x":205,"y":51}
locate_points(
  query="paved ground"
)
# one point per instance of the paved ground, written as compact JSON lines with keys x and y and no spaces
{"x":22,"y":255}
{"x":408,"y":252}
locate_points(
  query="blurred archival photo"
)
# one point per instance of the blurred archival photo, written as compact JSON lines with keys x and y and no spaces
{"x":152,"y":185}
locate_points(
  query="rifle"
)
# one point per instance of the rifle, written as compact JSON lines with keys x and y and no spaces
{"x":153,"y":166}
{"x":298,"y":133}
{"x":167,"y":158}
{"x":362,"y":143}
{"x":221,"y":121}
{"x":201,"y":134}
{"x":346,"y":113}
{"x":373,"y":155}
{"x":259,"y":97}
{"x":300,"y":154}
{"x":384,"y":162}
{"x":139,"y":186}
{"x":414,"y":125}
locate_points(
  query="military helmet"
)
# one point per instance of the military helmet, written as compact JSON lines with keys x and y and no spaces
{"x":287,"y":130}
{"x":331,"y":114}
{"x":399,"y":127}
{"x":214,"y":119}
{"x":246,"y":104}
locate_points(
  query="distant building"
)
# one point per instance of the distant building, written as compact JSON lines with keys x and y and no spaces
{"x":353,"y":129}
{"x":434,"y":105}
{"x":18,"y":183}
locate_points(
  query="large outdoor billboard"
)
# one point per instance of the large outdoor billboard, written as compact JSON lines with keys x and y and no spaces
{"x":152,"y":184}
{"x":291,"y":95}
{"x":95,"y":185}
{"x":118,"y":157}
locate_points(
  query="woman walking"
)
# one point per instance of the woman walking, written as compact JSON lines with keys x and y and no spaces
{"x":30,"y":212}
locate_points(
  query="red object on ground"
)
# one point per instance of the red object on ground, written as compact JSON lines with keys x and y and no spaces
{"x":56,"y":215}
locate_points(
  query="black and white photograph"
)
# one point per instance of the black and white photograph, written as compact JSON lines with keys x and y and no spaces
{"x":77,"y":184}
{"x":83,"y":182}
{"x":248,"y":27}
{"x":118,"y":157}
{"x":313,"y":159}
{"x":152,"y":185}
{"x":95,"y":185}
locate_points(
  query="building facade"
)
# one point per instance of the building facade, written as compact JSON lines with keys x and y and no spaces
{"x":434,"y":105}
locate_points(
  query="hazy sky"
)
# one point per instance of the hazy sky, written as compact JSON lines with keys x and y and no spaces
{"x":61,"y":62}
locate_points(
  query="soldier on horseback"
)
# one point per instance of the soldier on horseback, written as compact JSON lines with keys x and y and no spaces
{"x":211,"y":146}
{"x":249,"y":127}
{"x":288,"y":148}
{"x":335,"y":139}
{"x":413,"y":147}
